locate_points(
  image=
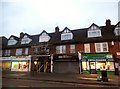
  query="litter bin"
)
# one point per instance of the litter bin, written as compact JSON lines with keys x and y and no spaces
{"x":104,"y":76}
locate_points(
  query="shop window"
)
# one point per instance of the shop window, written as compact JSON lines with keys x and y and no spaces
{"x":18,"y":52}
{"x":7,"y":52}
{"x":72,"y":48}
{"x":109,"y":66}
{"x":6,"y":65}
{"x":101,"y":47}
{"x":105,"y":65}
{"x":19,"y":66}
{"x":60,"y":49}
{"x":85,"y":65}
{"x":87,"y":48}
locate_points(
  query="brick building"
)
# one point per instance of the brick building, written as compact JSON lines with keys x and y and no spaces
{"x":86,"y":50}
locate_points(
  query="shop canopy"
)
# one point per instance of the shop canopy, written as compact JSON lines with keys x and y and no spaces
{"x":97,"y":57}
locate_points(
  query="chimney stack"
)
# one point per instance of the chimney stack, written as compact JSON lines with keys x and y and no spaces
{"x":21,"y":35}
{"x":108,"y":22}
{"x":57,"y":29}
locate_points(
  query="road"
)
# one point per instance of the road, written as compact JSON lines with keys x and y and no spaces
{"x":35,"y":83}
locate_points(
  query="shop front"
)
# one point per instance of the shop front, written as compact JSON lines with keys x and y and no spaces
{"x":94,"y":63}
{"x":41,"y":63}
{"x":21,"y":63}
{"x":65,"y":63}
{"x":6,"y":63}
{"x":118,"y":57}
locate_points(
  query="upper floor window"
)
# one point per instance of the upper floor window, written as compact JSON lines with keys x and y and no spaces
{"x":94,"y":31}
{"x":0,"y":52}
{"x":12,"y":41}
{"x":26,"y":40}
{"x":87,"y":48}
{"x":7,"y":52}
{"x":44,"y":37}
{"x":101,"y":47}
{"x":26,"y":51}
{"x":117,"y":29}
{"x":66,"y":34}
{"x":72,"y":48}
{"x":60,"y":49}
{"x":18,"y":52}
{"x":35,"y":50}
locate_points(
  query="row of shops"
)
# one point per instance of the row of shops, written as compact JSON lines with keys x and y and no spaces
{"x":63,"y":63}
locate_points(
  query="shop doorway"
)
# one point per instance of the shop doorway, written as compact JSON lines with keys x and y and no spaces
{"x":92,"y":67}
{"x":42,"y":66}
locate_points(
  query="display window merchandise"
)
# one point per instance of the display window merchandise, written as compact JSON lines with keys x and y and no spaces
{"x":21,"y":63}
{"x":19,"y":66}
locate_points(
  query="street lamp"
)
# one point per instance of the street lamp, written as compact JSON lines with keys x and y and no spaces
{"x":35,"y":62}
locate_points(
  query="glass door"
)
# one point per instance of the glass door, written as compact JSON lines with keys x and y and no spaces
{"x":92,"y":67}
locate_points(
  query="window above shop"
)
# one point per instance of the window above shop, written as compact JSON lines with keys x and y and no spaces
{"x":117,"y":29}
{"x":101,"y":47}
{"x":12,"y":41}
{"x":26,"y":40}
{"x":44,"y":37}
{"x":18,"y":52}
{"x":7,"y":52}
{"x":87,"y":48}
{"x":94,"y":31}
{"x":66,"y":34}
{"x":72,"y":48}
{"x":60,"y":49}
{"x":0,"y":52}
{"x":26,"y":51}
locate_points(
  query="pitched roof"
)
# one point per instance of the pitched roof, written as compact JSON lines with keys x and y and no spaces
{"x":79,"y":36}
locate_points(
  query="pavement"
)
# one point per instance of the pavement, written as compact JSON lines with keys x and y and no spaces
{"x":113,"y":80}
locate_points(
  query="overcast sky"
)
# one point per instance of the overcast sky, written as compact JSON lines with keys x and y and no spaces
{"x":34,"y":16}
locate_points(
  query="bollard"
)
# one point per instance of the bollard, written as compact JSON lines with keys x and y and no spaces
{"x":104,"y":76}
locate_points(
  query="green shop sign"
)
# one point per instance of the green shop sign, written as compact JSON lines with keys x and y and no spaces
{"x":97,"y":57}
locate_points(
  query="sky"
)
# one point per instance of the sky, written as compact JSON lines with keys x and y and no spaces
{"x":34,"y":16}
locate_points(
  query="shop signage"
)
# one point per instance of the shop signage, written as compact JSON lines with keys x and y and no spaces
{"x":21,"y":58}
{"x":67,"y":60}
{"x":66,"y":57}
{"x":5,"y":58}
{"x":97,"y":57}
